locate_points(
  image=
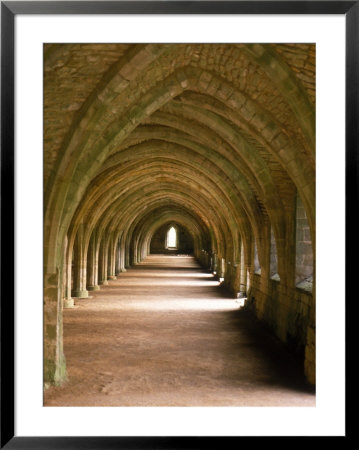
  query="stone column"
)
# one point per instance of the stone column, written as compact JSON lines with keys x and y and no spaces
{"x":243,"y":274}
{"x":236,"y":274}
{"x":133,"y":250}
{"x":214,"y":263}
{"x":80,"y":265}
{"x":92,"y":264}
{"x":127,"y":255}
{"x":220,"y":267}
{"x":144,"y":249}
{"x":139,"y":250}
{"x":111,"y":275}
{"x":228,"y":274}
{"x":68,"y":301}
{"x":210,"y":262}
{"x":122,"y":254}
{"x":102,"y":266}
{"x":54,"y":364}
{"x":250,"y":265}
{"x":117,"y":258}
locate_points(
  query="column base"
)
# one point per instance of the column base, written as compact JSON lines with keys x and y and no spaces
{"x":103,"y":283}
{"x":69,"y":303}
{"x":80,"y":294}
{"x":95,"y":287}
{"x":112,"y":277}
{"x":123,"y":270}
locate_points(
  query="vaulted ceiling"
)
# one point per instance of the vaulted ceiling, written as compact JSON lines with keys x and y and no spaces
{"x":219,"y":137}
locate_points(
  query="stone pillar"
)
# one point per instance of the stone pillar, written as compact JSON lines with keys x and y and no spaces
{"x":139,"y":251}
{"x":208,"y":261}
{"x":221,"y":267}
{"x":80,"y":265}
{"x":135,"y":258}
{"x":111,"y":274}
{"x":133,"y":251}
{"x":102,"y":266}
{"x":68,"y":301}
{"x":54,"y":364}
{"x":228,"y":275}
{"x":92,"y":264}
{"x":214,"y":263}
{"x":117,"y":259}
{"x":236,"y":274}
{"x":144,"y":250}
{"x":243,"y":274}
{"x":249,"y":265}
{"x":127,"y":255}
{"x":122,"y":254}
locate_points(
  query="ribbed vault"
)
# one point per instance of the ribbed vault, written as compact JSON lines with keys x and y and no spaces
{"x":219,"y":139}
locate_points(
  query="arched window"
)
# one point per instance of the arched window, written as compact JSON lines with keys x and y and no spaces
{"x":172,"y":238}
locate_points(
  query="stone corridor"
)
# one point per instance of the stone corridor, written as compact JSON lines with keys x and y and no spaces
{"x":193,"y":149}
{"x":165,"y":333}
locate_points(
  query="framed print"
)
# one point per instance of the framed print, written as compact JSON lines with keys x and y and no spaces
{"x":175,"y":186}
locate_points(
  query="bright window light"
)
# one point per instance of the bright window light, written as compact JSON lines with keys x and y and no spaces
{"x":172,"y":238}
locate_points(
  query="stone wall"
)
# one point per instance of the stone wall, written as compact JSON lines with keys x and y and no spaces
{"x":304,"y":250}
{"x":290,"y":313}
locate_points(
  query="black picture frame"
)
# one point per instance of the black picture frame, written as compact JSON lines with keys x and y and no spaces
{"x":9,"y":9}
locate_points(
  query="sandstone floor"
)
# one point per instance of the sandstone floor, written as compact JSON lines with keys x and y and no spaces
{"x":166,"y":334}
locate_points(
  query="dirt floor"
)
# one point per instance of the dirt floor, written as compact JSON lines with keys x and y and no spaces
{"x":166,"y":334}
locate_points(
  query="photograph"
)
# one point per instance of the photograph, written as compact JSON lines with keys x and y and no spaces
{"x":179,"y":224}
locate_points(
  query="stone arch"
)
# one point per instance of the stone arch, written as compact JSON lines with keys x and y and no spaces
{"x":171,"y":130}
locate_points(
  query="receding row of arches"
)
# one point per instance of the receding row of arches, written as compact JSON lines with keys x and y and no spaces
{"x":213,"y":141}
{"x":106,"y":260}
